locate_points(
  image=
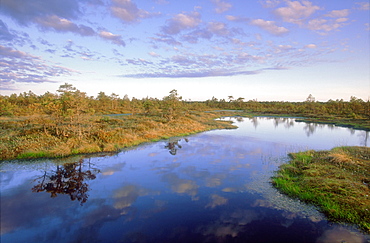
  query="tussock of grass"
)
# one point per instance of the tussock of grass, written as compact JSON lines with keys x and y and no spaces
{"x":338,"y":181}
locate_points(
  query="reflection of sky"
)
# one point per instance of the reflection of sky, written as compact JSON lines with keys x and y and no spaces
{"x":203,"y":191}
{"x":305,"y":135}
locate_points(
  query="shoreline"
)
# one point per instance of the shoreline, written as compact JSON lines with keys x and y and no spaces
{"x":141,"y":129}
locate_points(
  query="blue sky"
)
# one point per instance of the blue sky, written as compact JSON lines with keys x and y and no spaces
{"x":276,"y":50}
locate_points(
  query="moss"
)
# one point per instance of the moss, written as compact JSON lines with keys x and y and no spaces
{"x":334,"y":180}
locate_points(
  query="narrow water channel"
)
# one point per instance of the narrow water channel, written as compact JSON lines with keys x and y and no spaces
{"x":210,"y":187}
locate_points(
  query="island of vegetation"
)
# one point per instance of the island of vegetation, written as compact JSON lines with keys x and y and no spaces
{"x":69,"y":122}
{"x":337,"y":181}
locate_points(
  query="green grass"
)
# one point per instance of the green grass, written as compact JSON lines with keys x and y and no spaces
{"x":337,"y":181}
{"x":32,"y":155}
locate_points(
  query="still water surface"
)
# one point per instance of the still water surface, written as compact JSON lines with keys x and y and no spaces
{"x":209,"y":187}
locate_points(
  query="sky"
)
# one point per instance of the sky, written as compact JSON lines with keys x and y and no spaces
{"x":266,"y":50}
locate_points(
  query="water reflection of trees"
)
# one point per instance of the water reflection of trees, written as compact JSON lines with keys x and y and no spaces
{"x":69,"y":179}
{"x":254,"y":121}
{"x":173,"y":145}
{"x":288,"y":122}
{"x":364,"y":137}
{"x":310,"y":128}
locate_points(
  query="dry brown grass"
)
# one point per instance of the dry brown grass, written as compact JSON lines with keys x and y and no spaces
{"x":97,"y":134}
{"x":339,"y":158}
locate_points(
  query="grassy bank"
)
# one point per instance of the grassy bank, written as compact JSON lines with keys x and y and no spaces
{"x":29,"y":137}
{"x":337,"y":181}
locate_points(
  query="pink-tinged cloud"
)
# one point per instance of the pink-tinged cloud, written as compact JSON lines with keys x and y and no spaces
{"x":167,"y":39}
{"x":8,"y":52}
{"x":236,"y":18}
{"x":218,"y":28}
{"x":301,"y":13}
{"x":269,"y":26}
{"x":269,"y":3}
{"x":63,"y":25}
{"x":338,"y":13}
{"x":311,"y":46}
{"x":296,"y":12}
{"x":21,"y":67}
{"x":182,"y":22}
{"x":363,"y":6}
{"x":221,"y":6}
{"x":154,"y":54}
{"x":322,"y":26}
{"x":53,"y":15}
{"x":128,"y":11}
{"x":116,"y":39}
{"x":282,"y":49}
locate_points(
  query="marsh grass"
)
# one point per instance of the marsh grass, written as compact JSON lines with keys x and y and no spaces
{"x":337,"y":181}
{"x":24,"y":138}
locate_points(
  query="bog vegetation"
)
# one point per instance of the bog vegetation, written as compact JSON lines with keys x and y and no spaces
{"x":70,"y":122}
{"x":338,"y":181}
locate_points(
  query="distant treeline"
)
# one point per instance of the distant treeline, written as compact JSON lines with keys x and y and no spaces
{"x":70,"y":102}
{"x":355,"y":108}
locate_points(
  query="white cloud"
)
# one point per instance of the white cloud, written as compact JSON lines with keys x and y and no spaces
{"x":10,"y":53}
{"x":311,"y":46}
{"x":21,"y":67}
{"x":323,"y":26}
{"x":116,"y":39}
{"x":296,"y":12}
{"x":282,"y":49}
{"x":236,"y":18}
{"x":269,"y":3}
{"x":302,"y":13}
{"x":258,"y":36}
{"x":363,"y":6}
{"x":341,"y":20}
{"x":181,"y":22}
{"x":154,"y":54}
{"x":338,"y":13}
{"x":269,"y":26}
{"x":128,"y":11}
{"x":221,"y":6}
{"x":63,"y":25}
{"x":218,"y":28}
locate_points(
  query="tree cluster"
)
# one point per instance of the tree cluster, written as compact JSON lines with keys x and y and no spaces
{"x":355,"y":108}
